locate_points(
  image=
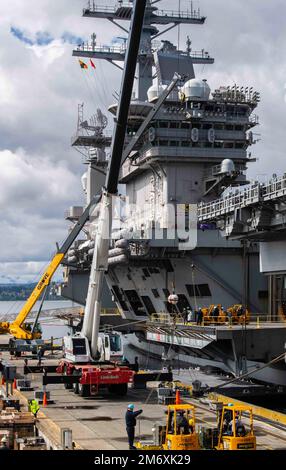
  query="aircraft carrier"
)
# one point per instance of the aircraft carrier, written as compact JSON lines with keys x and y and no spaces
{"x":186,"y":159}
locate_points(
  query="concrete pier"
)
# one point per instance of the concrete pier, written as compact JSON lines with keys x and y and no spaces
{"x":98,"y":423}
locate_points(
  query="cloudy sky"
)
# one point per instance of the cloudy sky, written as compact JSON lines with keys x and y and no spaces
{"x":41,"y":85}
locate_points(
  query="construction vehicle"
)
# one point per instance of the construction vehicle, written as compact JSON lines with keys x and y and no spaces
{"x":84,"y":352}
{"x":173,"y":435}
{"x":19,"y":328}
{"x":233,"y":433}
{"x":238,"y":314}
{"x":109,"y":347}
{"x":208,"y":317}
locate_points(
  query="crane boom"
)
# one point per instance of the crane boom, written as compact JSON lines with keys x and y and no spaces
{"x":90,"y":329}
{"x":16,"y":328}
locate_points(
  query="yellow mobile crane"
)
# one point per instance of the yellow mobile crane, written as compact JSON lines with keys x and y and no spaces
{"x":18,"y":328}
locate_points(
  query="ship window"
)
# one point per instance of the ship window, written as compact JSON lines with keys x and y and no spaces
{"x":135,"y":302}
{"x":218,"y":144}
{"x":170,"y":308}
{"x":208,"y":144}
{"x":239,"y":128}
{"x":229,"y":127}
{"x":146,"y":272}
{"x":154,"y":270}
{"x":163,"y":143}
{"x":198,"y":290}
{"x":239,"y":145}
{"x":168,"y":266}
{"x":185,"y":143}
{"x":183,"y":302}
{"x":148,"y":304}
{"x":155,"y":293}
{"x":174,"y":125}
{"x":207,"y":126}
{"x":174,"y":143}
{"x":263,"y":294}
{"x":166,"y":292}
{"x":228,"y":145}
{"x":185,"y":125}
{"x":218,"y":127}
{"x":117,"y":293}
{"x":163,"y":124}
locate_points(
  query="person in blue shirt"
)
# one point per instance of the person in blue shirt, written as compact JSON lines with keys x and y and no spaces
{"x":130,"y":420}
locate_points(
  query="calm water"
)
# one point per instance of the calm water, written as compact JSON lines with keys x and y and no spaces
{"x":50,"y":326}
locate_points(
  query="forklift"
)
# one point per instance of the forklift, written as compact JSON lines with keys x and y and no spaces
{"x":233,"y":433}
{"x":179,"y":433}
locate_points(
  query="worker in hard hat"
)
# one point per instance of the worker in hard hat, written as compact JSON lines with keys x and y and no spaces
{"x":4,"y":443}
{"x":215,"y":313}
{"x":34,"y":407}
{"x":130,"y":420}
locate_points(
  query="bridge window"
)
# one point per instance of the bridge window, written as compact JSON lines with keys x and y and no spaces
{"x":218,"y":127}
{"x":163,"y":124}
{"x":174,"y":125}
{"x":239,"y":145}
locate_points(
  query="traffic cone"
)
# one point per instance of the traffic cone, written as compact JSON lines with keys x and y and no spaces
{"x":14,"y":384}
{"x":178,"y":399}
{"x":45,"y":401}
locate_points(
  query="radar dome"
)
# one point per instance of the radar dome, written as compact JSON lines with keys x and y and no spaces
{"x":196,"y":89}
{"x":155,"y":91}
{"x":227,"y":166}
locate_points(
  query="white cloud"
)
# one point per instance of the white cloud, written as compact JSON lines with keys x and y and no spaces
{"x":50,"y":52}
{"x":41,"y":86}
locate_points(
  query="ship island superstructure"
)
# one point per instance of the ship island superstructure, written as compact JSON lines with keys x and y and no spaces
{"x":193,"y":150}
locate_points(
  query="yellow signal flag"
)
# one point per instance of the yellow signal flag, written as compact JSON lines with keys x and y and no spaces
{"x":83,"y":64}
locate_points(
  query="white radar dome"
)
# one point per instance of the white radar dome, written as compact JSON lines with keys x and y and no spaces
{"x":227,"y":166}
{"x":196,"y":89}
{"x":155,"y":91}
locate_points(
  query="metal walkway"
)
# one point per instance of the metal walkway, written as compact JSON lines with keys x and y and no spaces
{"x":253,"y":195}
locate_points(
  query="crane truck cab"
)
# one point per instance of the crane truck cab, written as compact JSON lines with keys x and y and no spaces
{"x":236,"y":428}
{"x":77,"y":348}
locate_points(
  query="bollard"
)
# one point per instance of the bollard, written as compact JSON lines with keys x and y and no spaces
{"x":258,"y":323}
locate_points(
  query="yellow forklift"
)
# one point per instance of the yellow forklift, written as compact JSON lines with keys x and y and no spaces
{"x":179,"y":433}
{"x":236,"y":431}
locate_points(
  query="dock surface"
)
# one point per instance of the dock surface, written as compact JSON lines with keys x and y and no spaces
{"x":98,"y":423}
